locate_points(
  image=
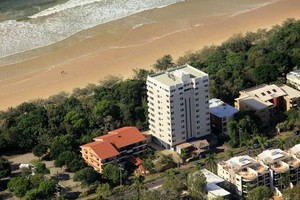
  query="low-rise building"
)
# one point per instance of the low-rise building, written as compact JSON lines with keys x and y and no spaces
{"x":266,"y":99}
{"x":220,"y":114}
{"x":293,"y":78}
{"x":215,"y":185}
{"x":243,"y":173}
{"x":281,"y":164}
{"x":114,"y":147}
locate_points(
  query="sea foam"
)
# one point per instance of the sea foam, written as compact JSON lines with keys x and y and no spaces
{"x":62,"y":21}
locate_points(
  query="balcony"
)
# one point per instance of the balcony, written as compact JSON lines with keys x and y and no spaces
{"x":279,"y":168}
{"x":247,"y":175}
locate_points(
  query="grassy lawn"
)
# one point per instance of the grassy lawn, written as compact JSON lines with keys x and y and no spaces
{"x":285,"y":134}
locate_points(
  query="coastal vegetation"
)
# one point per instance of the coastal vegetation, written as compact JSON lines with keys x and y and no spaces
{"x":54,"y":128}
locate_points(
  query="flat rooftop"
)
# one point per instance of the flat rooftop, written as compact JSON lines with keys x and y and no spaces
{"x":255,"y":102}
{"x":211,"y":184}
{"x":272,"y":155}
{"x":177,"y":75}
{"x":291,"y":92}
{"x":296,"y":150}
{"x":294,"y":75}
{"x":266,"y":92}
{"x":221,"y":109}
{"x":241,"y":161}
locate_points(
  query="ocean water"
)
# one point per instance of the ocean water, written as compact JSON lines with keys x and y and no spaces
{"x":29,"y":24}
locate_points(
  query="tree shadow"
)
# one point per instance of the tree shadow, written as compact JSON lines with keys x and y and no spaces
{"x":63,"y":177}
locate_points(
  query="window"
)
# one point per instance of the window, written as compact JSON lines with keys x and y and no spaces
{"x":274,"y":90}
{"x":268,"y":92}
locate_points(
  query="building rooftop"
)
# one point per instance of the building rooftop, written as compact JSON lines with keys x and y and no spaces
{"x":122,"y":137}
{"x":241,"y":162}
{"x":177,"y":75}
{"x":255,"y":102}
{"x":211,"y":184}
{"x":102,"y":149}
{"x":294,"y":75}
{"x":291,"y":92}
{"x":265,"y":92}
{"x":272,"y":155}
{"x":296,"y":150}
{"x":106,"y":146}
{"x":221,"y":109}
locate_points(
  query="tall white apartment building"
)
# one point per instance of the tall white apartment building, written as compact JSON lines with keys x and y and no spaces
{"x":178,"y":105}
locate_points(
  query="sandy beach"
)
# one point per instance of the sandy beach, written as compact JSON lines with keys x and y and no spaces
{"x":116,"y":48}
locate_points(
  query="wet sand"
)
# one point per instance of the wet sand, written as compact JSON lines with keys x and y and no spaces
{"x":115,"y":48}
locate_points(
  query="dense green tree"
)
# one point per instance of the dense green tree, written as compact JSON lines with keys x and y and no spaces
{"x":148,"y":164}
{"x":33,"y":194}
{"x":164,"y":63}
{"x":196,"y":183}
{"x":41,"y":168}
{"x":47,"y":188}
{"x":211,"y":162}
{"x":19,"y":186}
{"x":87,"y":176}
{"x":65,"y":158}
{"x":153,"y":195}
{"x":39,"y":150}
{"x":103,"y":190}
{"x":36,"y":179}
{"x":114,"y":173}
{"x":172,"y":187}
{"x":260,"y":192}
{"x":61,"y":144}
{"x":292,"y":193}
{"x":5,"y":169}
{"x":137,"y":186}
{"x":285,"y":179}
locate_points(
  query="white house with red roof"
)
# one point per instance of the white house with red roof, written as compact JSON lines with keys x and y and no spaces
{"x":114,"y":147}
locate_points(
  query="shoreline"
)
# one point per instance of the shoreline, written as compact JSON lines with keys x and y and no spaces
{"x":89,"y":56}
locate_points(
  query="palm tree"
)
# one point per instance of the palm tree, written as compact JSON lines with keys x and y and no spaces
{"x":229,"y":153}
{"x":138,"y":185}
{"x":210,"y":162}
{"x":249,"y":145}
{"x":280,"y":143}
{"x":263,"y":142}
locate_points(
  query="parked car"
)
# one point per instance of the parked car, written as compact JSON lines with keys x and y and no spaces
{"x":256,"y":146}
{"x":297,"y":132}
{"x":201,"y":164}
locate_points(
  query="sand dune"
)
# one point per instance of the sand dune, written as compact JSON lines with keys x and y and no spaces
{"x":89,"y":56}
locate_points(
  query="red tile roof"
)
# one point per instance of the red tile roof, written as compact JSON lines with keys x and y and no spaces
{"x":136,"y":161}
{"x":122,"y":137}
{"x":105,"y":146}
{"x":102,"y":149}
